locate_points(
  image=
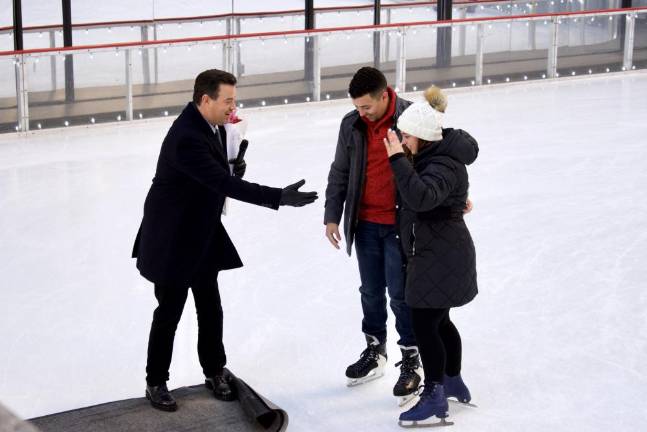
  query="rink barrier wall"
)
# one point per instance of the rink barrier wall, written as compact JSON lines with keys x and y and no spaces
{"x":229,"y":45}
{"x":263,"y":14}
{"x":152,"y":29}
{"x":233,"y":22}
{"x":328,"y":30}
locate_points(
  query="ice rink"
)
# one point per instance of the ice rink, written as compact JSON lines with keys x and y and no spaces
{"x":555,"y":341}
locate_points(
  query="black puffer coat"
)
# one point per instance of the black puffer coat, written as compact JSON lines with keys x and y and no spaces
{"x":441,"y":265}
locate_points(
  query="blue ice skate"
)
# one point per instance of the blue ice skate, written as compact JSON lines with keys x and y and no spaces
{"x":432,"y":403}
{"x":455,"y":387}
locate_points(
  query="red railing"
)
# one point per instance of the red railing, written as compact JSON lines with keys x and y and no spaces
{"x":168,"y":42}
{"x":253,"y":14}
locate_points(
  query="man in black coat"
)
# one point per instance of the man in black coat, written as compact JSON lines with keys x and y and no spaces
{"x":182,"y":243}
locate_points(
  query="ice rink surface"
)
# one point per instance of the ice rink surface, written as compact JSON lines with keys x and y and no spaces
{"x":555,"y":341}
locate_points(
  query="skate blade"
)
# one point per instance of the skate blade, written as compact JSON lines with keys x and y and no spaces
{"x":411,"y":424}
{"x":352,"y":382}
{"x":403,"y":400}
{"x":457,"y":402}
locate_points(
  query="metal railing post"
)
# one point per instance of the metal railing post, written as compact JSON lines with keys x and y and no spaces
{"x":627,"y":61}
{"x":145,"y":55}
{"x":582,"y":25}
{"x":551,"y":69}
{"x":462,"y":30}
{"x":480,"y":45}
{"x":129,"y":84}
{"x":316,"y":70}
{"x":401,"y":61}
{"x":387,"y":40}
{"x":377,"y":36}
{"x":52,"y":58}
{"x":155,"y":56}
{"x":226,"y":47}
{"x":532,"y":35}
{"x":22,"y":94}
{"x":238,"y":67}
{"x":308,"y":47}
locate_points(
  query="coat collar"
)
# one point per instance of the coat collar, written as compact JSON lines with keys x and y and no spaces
{"x":199,"y":122}
{"x":192,"y":112}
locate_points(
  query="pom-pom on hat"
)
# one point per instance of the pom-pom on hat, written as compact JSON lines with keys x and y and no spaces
{"x":424,"y":120}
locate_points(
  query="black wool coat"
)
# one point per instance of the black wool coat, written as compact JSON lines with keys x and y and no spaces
{"x":441,"y":261}
{"x":181,"y":231}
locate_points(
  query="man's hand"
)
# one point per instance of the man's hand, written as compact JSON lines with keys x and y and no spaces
{"x":240,"y":166}
{"x":291,"y":196}
{"x":392,"y":143}
{"x":332,"y":234}
{"x":468,"y":206}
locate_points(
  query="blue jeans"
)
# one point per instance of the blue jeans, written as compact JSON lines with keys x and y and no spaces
{"x":380,"y":266}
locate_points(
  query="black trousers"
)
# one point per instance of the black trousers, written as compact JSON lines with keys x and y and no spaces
{"x":166,"y":317}
{"x":439,"y":343}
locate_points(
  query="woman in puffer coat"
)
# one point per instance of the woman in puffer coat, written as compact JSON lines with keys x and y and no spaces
{"x":432,"y":183}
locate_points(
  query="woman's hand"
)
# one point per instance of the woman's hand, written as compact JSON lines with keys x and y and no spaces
{"x":392,"y":143}
{"x":469,"y":206}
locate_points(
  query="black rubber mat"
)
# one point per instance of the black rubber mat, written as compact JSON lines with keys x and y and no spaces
{"x":197,"y":410}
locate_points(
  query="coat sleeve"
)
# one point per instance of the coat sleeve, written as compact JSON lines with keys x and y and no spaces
{"x":193,"y":158}
{"x":427,"y":190}
{"x":337,"y":181}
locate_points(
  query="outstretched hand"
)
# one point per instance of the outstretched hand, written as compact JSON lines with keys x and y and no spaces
{"x":291,"y":196}
{"x":392,"y":143}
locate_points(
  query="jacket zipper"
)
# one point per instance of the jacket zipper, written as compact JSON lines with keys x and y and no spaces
{"x":362,"y":171}
{"x":413,"y":234}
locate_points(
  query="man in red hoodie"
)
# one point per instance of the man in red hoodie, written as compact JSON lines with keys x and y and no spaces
{"x":361,"y":181}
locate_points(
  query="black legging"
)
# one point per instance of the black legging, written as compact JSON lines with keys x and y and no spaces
{"x":439,"y":343}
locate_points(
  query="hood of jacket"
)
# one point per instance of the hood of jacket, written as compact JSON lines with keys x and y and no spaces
{"x":456,"y":143}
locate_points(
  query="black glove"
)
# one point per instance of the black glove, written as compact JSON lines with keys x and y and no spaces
{"x":240,"y":166}
{"x":291,"y":196}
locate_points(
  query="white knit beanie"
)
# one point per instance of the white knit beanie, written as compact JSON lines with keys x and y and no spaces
{"x":424,"y":120}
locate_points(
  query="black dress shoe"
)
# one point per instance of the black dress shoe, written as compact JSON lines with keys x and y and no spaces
{"x":160,"y":397}
{"x":219,"y":384}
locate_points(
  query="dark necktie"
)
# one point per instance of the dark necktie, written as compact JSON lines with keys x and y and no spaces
{"x":221,"y":140}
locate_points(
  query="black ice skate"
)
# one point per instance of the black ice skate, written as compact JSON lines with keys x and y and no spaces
{"x":406,"y":388}
{"x":370,"y":365}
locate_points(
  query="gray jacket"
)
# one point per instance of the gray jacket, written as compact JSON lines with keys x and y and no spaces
{"x":346,"y":176}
